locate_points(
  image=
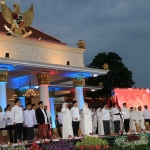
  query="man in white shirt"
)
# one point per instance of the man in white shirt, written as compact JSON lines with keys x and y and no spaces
{"x":147,"y":114}
{"x":48,"y":113}
{"x":9,"y":122}
{"x":106,"y":119}
{"x":28,"y":123}
{"x":34,"y":116}
{"x":116,"y":118}
{"x":18,"y":119}
{"x":75,"y":118}
{"x":126,"y":117}
{"x":94,"y":120}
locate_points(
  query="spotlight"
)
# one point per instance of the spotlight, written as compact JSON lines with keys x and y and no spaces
{"x":7,"y":55}
{"x":92,"y":90}
{"x":95,"y":75}
{"x":68,"y":63}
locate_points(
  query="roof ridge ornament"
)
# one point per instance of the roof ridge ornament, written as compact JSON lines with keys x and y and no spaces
{"x":18,"y":21}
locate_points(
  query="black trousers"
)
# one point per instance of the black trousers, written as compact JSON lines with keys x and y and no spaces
{"x":18,"y":129}
{"x":147,"y":120}
{"x":75,"y":125}
{"x":28,"y":133}
{"x":126,"y":125}
{"x":106,"y":125}
{"x":117,"y":126}
{"x":10,"y":128}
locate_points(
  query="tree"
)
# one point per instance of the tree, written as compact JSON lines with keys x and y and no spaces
{"x":118,"y":76}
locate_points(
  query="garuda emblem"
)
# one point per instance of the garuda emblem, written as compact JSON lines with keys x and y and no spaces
{"x":18,"y":21}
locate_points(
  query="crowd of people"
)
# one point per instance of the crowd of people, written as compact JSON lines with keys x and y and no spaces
{"x":103,"y":120}
{"x":23,"y":121}
{"x":74,"y":122}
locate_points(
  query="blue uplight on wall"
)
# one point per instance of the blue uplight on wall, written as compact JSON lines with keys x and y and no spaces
{"x":22,"y":102}
{"x":3,"y":99}
{"x":52,"y":110}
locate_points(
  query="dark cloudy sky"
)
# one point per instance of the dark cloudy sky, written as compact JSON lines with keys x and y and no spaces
{"x":121,"y":26}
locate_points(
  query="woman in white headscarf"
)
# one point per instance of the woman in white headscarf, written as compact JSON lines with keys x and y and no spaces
{"x":87,"y":120}
{"x":67,"y":122}
{"x":100,"y":122}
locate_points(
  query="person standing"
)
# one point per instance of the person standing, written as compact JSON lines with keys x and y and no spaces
{"x":87,"y":119}
{"x":9,"y":122}
{"x":34,"y":116}
{"x":2,"y":119}
{"x":100,"y":122}
{"x":141,"y":117}
{"x":67,"y":122}
{"x":132,"y":120}
{"x":106,"y":119}
{"x":94,"y":120}
{"x":18,"y":119}
{"x":75,"y":118}
{"x":29,"y":123}
{"x":42,"y":121}
{"x":147,"y":114}
{"x":126,"y":117}
{"x":48,"y":113}
{"x":116,"y":118}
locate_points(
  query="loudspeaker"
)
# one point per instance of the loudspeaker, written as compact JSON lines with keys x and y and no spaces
{"x":7,"y":55}
{"x":68,"y":63}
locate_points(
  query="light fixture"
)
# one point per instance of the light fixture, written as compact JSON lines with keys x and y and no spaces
{"x":95,"y":75}
{"x":36,"y":87}
{"x":13,"y":97}
{"x":92,"y":90}
{"x":30,"y":93}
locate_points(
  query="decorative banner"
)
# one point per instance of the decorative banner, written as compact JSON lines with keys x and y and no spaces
{"x":78,"y":82}
{"x":133,"y":97}
{"x":3,"y":75}
{"x":43,"y":78}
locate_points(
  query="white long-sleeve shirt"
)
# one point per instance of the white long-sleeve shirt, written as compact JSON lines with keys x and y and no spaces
{"x":147,"y":114}
{"x":2,"y":120}
{"x":34,"y":117}
{"x":60,"y":118}
{"x":7,"y":115}
{"x":28,"y":118}
{"x":75,"y":113}
{"x":17,"y":114}
{"x":105,"y":114}
{"x":125,"y":113}
{"x":115,"y":111}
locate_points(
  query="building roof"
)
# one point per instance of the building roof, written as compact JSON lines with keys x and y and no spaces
{"x":36,"y":34}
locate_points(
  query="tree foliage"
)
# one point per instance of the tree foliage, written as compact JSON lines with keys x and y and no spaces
{"x":118,"y":76}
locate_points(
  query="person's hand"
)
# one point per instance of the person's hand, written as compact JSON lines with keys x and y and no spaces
{"x":140,"y":120}
{"x":25,"y":126}
{"x":75,"y":118}
{"x":14,"y":123}
{"x":38,"y":123}
{"x":8,"y":118}
{"x":134,"y":120}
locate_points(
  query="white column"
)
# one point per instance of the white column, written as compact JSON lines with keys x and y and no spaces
{"x":79,"y":96}
{"x":3,"y":98}
{"x":52,"y":110}
{"x":44,"y":95}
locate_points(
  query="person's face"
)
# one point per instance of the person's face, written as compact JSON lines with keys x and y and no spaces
{"x":140,"y":108}
{"x":33,"y":107}
{"x":86,"y":105}
{"x":66,"y":105}
{"x":105,"y":106}
{"x":93,"y":109}
{"x":45,"y":107}
{"x":42,"y":105}
{"x":114,"y":106}
{"x":100,"y":109}
{"x":125,"y":106}
{"x":75,"y":104}
{"x":9,"y":108}
{"x":18,"y":103}
{"x":29,"y":107}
